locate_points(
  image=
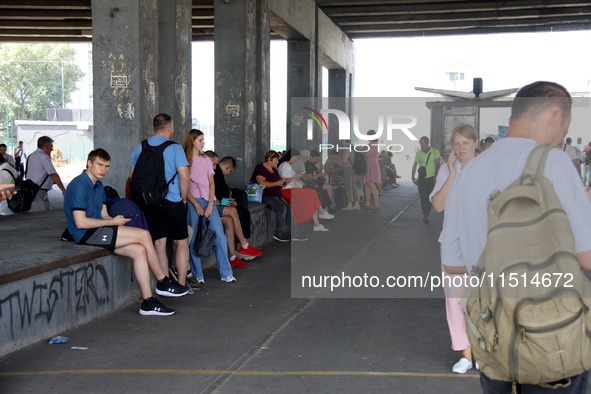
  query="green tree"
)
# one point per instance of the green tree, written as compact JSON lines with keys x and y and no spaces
{"x":31,"y":79}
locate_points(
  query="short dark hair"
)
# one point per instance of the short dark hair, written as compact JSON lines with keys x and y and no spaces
{"x":161,"y":122}
{"x":228,"y":160}
{"x":211,"y":154}
{"x":536,"y":97}
{"x":568,"y":140}
{"x":44,"y":141}
{"x":314,"y":153}
{"x":99,"y":153}
{"x":2,"y":145}
{"x":489,"y":139}
{"x":424,"y":138}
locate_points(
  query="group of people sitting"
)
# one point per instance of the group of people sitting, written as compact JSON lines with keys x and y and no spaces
{"x":297,"y":186}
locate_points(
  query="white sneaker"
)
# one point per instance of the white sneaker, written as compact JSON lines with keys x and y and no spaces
{"x":325,"y":216}
{"x":230,"y":279}
{"x":320,"y":227}
{"x":462,"y":366}
{"x":200,"y":280}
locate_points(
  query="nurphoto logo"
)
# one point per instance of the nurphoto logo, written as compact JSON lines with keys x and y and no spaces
{"x":387,"y":123}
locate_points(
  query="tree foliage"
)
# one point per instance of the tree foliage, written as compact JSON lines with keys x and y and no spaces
{"x":31,"y":79}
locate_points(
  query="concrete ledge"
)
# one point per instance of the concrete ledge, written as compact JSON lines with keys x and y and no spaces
{"x":262,"y":225}
{"x":43,"y":305}
{"x":48,"y":286}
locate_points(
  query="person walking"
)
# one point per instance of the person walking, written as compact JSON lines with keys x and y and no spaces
{"x":428,"y":161}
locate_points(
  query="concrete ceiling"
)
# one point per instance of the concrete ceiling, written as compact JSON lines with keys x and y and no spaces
{"x":71,"y":20}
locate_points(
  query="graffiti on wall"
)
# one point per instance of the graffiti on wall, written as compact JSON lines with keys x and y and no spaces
{"x":68,"y":292}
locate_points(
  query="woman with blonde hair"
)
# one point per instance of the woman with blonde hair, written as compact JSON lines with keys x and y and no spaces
{"x":201,"y":197}
{"x":464,"y":143}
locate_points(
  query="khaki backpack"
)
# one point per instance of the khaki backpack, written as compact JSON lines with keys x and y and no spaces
{"x":529,"y":322}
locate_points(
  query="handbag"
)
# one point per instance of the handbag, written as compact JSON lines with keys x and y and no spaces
{"x":205,"y":239}
{"x":423,"y":170}
{"x":255,"y":192}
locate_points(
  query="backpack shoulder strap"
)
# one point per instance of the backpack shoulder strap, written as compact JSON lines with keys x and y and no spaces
{"x":6,"y":169}
{"x":536,"y":162}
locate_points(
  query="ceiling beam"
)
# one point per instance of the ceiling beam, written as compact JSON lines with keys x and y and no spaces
{"x":44,"y":15}
{"x":47,"y":4}
{"x":446,"y":6}
{"x":496,"y":24}
{"x":462,"y":16}
{"x":53,"y":24}
{"x":474,"y":30}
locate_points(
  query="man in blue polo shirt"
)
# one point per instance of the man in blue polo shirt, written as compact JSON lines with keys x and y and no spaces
{"x":169,"y":218}
{"x":90,"y":224}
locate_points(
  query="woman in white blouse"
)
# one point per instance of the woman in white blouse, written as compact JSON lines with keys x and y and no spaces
{"x":464,"y":142}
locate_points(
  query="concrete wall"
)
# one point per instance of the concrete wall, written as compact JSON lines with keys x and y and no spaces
{"x":332,"y":42}
{"x":335,"y":44}
{"x":44,"y":305}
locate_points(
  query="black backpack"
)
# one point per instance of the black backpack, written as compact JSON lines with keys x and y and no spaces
{"x":148,"y":182}
{"x":21,"y":201}
{"x":359,"y":164}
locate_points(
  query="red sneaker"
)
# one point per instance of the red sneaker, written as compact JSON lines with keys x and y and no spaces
{"x":248,"y":253}
{"x":237,"y":263}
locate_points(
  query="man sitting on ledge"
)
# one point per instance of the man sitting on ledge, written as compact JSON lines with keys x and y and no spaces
{"x":90,"y":224}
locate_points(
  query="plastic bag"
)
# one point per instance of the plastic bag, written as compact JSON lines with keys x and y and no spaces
{"x":255,"y":192}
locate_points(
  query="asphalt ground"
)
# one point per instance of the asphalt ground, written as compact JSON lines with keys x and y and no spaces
{"x":268,"y":334}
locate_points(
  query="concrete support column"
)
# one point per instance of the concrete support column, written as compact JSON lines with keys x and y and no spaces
{"x":125,"y":63}
{"x":304,"y":79}
{"x":142,"y":66}
{"x":242,"y":79}
{"x":174,"y":65}
{"x":339,"y":94}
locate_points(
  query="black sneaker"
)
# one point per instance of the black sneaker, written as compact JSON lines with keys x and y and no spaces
{"x":170,"y":288}
{"x":152,"y":307}
{"x":280,"y":238}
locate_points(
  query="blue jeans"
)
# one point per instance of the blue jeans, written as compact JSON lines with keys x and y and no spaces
{"x":578,"y":385}
{"x":221,"y":247}
{"x":283,"y":215}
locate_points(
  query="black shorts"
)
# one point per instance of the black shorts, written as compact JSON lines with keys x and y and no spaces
{"x":105,"y":237}
{"x":168,"y":219}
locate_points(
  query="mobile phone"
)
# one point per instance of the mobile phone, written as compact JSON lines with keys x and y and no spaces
{"x":15,"y":189}
{"x":129,"y":216}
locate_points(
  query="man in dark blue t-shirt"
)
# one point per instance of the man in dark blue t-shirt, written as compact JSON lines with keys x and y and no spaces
{"x":90,"y":224}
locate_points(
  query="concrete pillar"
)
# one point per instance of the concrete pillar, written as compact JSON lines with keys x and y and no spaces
{"x":304,"y":79}
{"x":338,"y":94}
{"x":135,"y":78}
{"x":174,"y":66}
{"x":125,"y":63}
{"x":242,"y":57}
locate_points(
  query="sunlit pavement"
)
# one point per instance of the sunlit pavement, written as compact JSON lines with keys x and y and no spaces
{"x":253,"y":337}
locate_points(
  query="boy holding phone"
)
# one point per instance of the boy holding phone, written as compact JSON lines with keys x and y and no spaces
{"x":90,"y":224}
